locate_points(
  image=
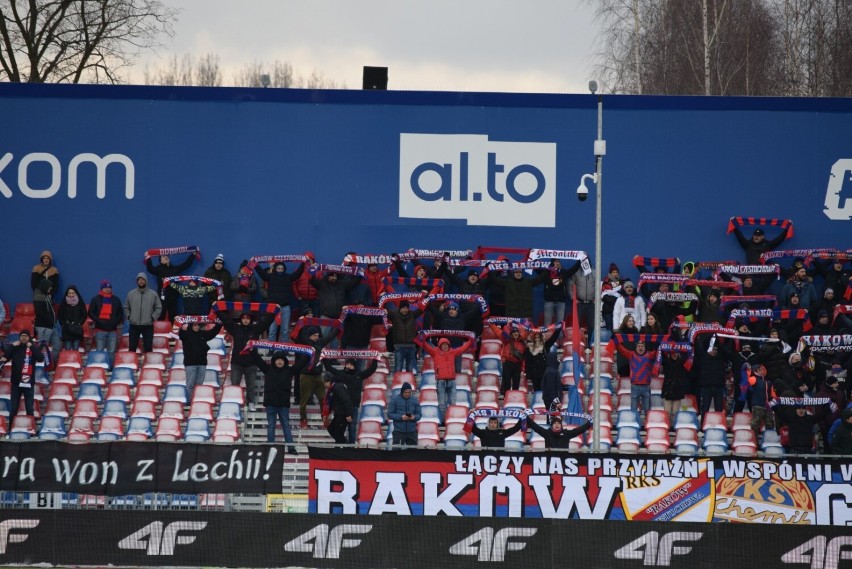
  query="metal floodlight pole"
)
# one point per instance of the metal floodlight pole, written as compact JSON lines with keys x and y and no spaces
{"x":600,"y":151}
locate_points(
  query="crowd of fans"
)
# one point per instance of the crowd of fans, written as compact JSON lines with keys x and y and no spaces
{"x":774,"y":330}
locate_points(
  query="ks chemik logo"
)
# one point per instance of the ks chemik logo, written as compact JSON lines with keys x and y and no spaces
{"x":485,"y":182}
{"x":12,"y":531}
{"x":327,"y":543}
{"x":40,"y":175}
{"x":159,"y":539}
{"x":488,"y":545}
{"x":657,"y":551}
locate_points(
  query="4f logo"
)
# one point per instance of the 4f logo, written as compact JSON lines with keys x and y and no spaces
{"x":819,"y":553}
{"x":327,"y":543}
{"x":7,"y":528}
{"x":489,"y":545}
{"x":159,"y":539}
{"x":657,"y":551}
{"x":481,"y":181}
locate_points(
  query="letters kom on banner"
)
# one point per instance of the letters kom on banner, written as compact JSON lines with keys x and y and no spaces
{"x":806,"y":491}
{"x":121,"y":468}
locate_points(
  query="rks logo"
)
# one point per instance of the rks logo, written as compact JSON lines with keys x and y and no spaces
{"x":656,"y":551}
{"x":841,"y":174}
{"x":325,"y":543}
{"x":159,"y":539}
{"x":467,"y":176}
{"x":488,"y":545}
{"x":9,"y":526}
{"x":819,"y":553}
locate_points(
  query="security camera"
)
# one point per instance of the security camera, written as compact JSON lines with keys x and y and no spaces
{"x":582,"y":190}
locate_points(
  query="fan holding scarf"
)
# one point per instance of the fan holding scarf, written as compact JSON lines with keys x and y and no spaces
{"x":23,"y":355}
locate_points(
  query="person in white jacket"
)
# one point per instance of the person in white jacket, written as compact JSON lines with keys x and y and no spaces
{"x":629,"y":303}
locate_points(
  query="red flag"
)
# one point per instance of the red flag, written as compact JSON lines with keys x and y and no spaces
{"x":575,"y":332}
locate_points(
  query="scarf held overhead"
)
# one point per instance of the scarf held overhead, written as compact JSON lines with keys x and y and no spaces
{"x":194,"y":249}
{"x":278,"y":347}
{"x":580,"y":256}
{"x":184,"y":279}
{"x":672,"y":263}
{"x":740,"y":221}
{"x":332,"y":354}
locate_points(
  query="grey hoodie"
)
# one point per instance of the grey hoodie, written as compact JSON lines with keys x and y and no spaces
{"x":142,"y":306}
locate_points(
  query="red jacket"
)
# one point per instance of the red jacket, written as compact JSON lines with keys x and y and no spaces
{"x":302,"y":288}
{"x":445,"y":361}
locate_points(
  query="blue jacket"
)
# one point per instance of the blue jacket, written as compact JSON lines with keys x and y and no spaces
{"x":400,"y":406}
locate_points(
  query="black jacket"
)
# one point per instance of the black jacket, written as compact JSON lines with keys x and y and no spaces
{"x":195,"y":345}
{"x":357,"y":330}
{"x":711,"y":368}
{"x":241,"y":336}
{"x":68,"y":313}
{"x":551,"y":381}
{"x":842,"y":442}
{"x":314,"y":365}
{"x":164,"y":271}
{"x":277,"y":381}
{"x":280,"y":285}
{"x":16,"y":356}
{"x":518,"y":293}
{"x":354,"y":381}
{"x":557,"y":286}
{"x":535,"y":364}
{"x":562,"y":439}
{"x":754,"y":250}
{"x":45,"y":315}
{"x":497,"y":437}
{"x":404,"y":328}
{"x":332,"y":295}
{"x":341,"y":401}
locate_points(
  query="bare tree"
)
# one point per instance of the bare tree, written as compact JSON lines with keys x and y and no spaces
{"x":281,"y":75}
{"x":177,"y":72}
{"x":207,"y":72}
{"x":72,"y":41}
{"x":625,"y":23}
{"x":712,"y":47}
{"x":815,"y":46}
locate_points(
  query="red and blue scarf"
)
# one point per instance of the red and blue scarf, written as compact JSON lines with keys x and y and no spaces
{"x":194,"y":249}
{"x":740,"y":221}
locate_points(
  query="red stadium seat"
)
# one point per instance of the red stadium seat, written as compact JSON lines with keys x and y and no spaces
{"x":70,"y":358}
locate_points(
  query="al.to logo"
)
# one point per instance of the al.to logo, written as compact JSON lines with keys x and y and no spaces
{"x":485,"y":182}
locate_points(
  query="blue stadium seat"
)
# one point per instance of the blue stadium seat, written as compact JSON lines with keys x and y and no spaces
{"x":52,"y":428}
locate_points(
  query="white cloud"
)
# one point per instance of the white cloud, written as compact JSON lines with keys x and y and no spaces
{"x":472,"y":45}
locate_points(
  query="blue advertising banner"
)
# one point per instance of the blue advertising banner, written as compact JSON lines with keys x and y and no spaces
{"x":637,"y":488}
{"x":99,"y":174}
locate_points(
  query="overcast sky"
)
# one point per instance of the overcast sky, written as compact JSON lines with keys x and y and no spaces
{"x":444,"y":45}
